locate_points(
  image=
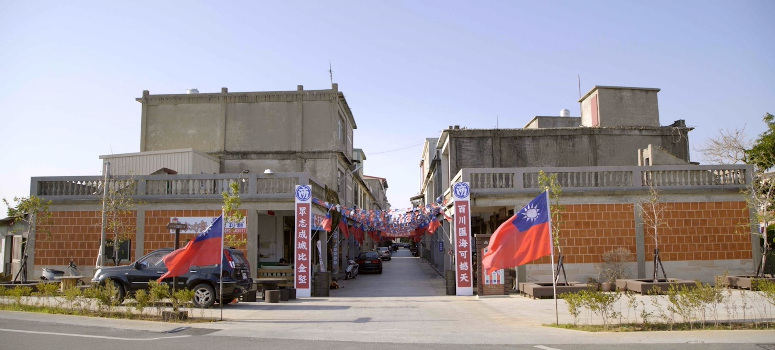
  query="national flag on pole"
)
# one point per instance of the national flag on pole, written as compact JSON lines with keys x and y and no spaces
{"x":524,"y":237}
{"x":343,"y":228}
{"x":326,"y":224}
{"x":433,"y":225}
{"x":205,"y":249}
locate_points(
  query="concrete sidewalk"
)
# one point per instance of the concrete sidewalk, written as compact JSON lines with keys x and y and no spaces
{"x":436,"y":319}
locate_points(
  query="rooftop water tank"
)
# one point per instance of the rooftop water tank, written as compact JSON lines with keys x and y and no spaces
{"x":565,"y":112}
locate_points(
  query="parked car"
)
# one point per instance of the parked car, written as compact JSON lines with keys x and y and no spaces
{"x":203,"y":280}
{"x":369,"y":262}
{"x":384,"y":253}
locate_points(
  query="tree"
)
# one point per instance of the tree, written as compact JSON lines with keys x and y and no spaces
{"x":232,"y":214}
{"x":119,"y":204}
{"x":550,"y":183}
{"x":33,"y":213}
{"x":733,"y":147}
{"x":762,"y":154}
{"x":729,"y":147}
{"x":652,"y":213}
{"x":761,"y":192}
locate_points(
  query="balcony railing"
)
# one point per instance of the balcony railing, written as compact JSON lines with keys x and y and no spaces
{"x":504,"y":180}
{"x":162,"y":187}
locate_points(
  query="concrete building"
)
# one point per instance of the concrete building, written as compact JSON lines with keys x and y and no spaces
{"x":606,"y":162}
{"x":193,"y":146}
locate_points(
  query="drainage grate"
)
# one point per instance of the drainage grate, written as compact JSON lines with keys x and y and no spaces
{"x":176,"y":330}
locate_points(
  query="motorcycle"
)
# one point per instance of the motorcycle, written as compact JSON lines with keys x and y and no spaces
{"x":54,"y":274}
{"x":352,"y":269}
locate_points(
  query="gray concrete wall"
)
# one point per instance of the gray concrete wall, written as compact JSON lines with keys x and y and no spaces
{"x":621,"y":106}
{"x":196,"y":126}
{"x":703,"y":271}
{"x":628,"y":107}
{"x":571,"y":147}
{"x":553,"y":122}
{"x":658,"y":156}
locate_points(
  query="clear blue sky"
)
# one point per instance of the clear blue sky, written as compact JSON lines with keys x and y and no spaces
{"x":70,"y":71}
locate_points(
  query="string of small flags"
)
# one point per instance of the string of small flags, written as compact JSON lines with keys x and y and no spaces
{"x":394,"y":223}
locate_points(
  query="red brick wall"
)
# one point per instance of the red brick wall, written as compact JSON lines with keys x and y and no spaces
{"x":76,"y":234}
{"x":694,"y":231}
{"x":703,"y":231}
{"x":71,"y":234}
{"x":589,"y":230}
{"x":158,"y":236}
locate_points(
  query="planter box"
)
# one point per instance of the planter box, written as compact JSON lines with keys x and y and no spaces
{"x":545,"y":290}
{"x":646,"y":286}
{"x":746,"y":282}
{"x":10,"y":285}
{"x":250,"y":296}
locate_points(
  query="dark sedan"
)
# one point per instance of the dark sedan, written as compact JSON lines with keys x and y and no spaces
{"x":369,"y":262}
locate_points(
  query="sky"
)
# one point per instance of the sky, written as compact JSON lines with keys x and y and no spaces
{"x":70,"y":71}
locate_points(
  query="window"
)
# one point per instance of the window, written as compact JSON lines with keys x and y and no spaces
{"x":340,"y":181}
{"x":339,"y":128}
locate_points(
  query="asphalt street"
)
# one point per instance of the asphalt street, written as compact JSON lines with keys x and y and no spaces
{"x":405,"y":306}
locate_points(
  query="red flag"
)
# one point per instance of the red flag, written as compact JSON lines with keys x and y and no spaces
{"x":326,"y":223}
{"x":204,"y":250}
{"x":433,"y":225}
{"x":360,"y":236}
{"x":449,"y":218}
{"x":524,"y":237}
{"x":343,"y":228}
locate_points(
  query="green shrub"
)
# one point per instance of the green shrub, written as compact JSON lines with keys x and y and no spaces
{"x":72,"y":297}
{"x":158,"y":292}
{"x":142,"y":300}
{"x":575,"y":304}
{"x":17,"y":293}
{"x":181,"y":297}
{"x":46,"y":289}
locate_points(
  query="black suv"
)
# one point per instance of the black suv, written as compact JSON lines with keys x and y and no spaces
{"x":203,"y":280}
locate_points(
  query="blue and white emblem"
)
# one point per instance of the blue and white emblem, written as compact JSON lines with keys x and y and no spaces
{"x":303,"y":193}
{"x":461,"y":190}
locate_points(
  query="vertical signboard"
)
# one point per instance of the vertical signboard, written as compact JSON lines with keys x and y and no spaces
{"x":461,"y":238}
{"x":302,"y":280}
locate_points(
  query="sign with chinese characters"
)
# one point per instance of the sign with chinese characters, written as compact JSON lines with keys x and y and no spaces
{"x":335,"y":258}
{"x":461,"y":238}
{"x":496,"y":277}
{"x":303,"y":235}
{"x":197,"y":225}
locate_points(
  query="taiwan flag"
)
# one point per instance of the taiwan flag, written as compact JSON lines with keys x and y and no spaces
{"x":205,"y":249}
{"x":343,"y":228}
{"x":327,"y":223}
{"x":524,"y":237}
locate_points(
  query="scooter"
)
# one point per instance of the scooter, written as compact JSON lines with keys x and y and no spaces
{"x":53,"y":274}
{"x":352,"y":269}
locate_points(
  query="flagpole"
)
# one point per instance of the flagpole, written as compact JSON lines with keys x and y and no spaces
{"x":220,"y":285}
{"x":551,"y":244}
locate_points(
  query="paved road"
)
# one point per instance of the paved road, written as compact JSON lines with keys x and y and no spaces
{"x":405,"y":305}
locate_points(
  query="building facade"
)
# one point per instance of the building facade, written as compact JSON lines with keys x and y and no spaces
{"x":607,"y":163}
{"x":193,"y":147}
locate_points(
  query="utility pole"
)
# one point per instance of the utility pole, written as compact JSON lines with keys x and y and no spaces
{"x":105,"y":189}
{"x":175,"y":225}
